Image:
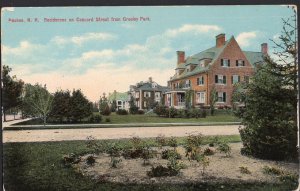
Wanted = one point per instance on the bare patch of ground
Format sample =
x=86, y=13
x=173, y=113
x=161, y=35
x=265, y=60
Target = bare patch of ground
x=220, y=168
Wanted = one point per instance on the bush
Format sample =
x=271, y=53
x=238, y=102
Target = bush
x=90, y=160
x=133, y=110
x=95, y=118
x=171, y=112
x=160, y=110
x=161, y=140
x=173, y=142
x=166, y=154
x=141, y=112
x=208, y=151
x=106, y=110
x=107, y=120
x=160, y=171
x=122, y=112
x=224, y=148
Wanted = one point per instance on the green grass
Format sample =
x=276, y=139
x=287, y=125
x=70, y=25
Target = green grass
x=38, y=166
x=152, y=118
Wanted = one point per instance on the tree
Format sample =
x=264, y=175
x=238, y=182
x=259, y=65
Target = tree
x=213, y=100
x=37, y=101
x=11, y=90
x=270, y=114
x=81, y=107
x=61, y=105
x=103, y=105
x=189, y=94
x=133, y=109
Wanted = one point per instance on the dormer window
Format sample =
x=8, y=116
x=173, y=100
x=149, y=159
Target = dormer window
x=225, y=62
x=240, y=63
x=202, y=63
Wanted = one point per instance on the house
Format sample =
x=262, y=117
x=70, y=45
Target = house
x=120, y=99
x=219, y=67
x=147, y=94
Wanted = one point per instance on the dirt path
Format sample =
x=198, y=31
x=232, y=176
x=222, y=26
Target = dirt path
x=114, y=133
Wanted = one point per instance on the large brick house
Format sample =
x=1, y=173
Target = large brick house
x=219, y=67
x=145, y=94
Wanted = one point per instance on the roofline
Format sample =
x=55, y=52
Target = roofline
x=189, y=75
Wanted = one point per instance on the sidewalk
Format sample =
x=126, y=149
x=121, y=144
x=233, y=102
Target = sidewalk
x=114, y=133
x=10, y=123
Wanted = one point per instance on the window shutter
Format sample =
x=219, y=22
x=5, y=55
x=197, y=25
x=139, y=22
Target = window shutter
x=236, y=62
x=231, y=79
x=224, y=96
x=216, y=78
x=224, y=79
x=202, y=80
x=243, y=63
x=221, y=62
x=228, y=63
x=239, y=78
x=198, y=81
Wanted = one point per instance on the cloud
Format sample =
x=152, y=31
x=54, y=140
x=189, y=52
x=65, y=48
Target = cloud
x=87, y=37
x=244, y=38
x=194, y=29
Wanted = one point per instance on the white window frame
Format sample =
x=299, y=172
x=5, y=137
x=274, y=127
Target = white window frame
x=220, y=97
x=235, y=79
x=225, y=60
x=137, y=94
x=240, y=63
x=201, y=96
x=220, y=79
x=202, y=81
x=147, y=94
x=187, y=84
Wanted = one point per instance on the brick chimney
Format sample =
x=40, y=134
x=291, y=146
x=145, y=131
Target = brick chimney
x=180, y=57
x=264, y=48
x=220, y=40
x=150, y=79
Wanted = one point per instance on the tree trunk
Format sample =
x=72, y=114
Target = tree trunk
x=4, y=115
x=45, y=120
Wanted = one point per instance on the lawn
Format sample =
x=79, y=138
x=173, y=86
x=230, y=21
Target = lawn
x=38, y=166
x=113, y=118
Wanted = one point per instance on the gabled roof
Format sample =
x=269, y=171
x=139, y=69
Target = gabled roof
x=212, y=53
x=148, y=86
x=118, y=96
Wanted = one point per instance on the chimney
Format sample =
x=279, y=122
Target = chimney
x=264, y=48
x=150, y=79
x=180, y=57
x=220, y=40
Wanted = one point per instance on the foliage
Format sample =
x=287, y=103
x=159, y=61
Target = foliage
x=214, y=141
x=141, y=112
x=91, y=143
x=171, y=112
x=272, y=170
x=103, y=106
x=113, y=106
x=122, y=112
x=192, y=146
x=107, y=120
x=161, y=141
x=189, y=94
x=133, y=109
x=81, y=107
x=223, y=147
x=172, y=141
x=160, y=110
x=114, y=162
x=165, y=154
x=37, y=101
x=270, y=99
x=61, y=105
x=203, y=161
x=213, y=100
x=11, y=90
x=70, y=159
x=208, y=151
x=244, y=170
x=160, y=171
x=90, y=160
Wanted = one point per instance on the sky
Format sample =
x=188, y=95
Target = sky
x=62, y=48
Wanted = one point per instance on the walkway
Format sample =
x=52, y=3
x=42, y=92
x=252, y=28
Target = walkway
x=114, y=133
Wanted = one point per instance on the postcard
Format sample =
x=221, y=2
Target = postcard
x=149, y=97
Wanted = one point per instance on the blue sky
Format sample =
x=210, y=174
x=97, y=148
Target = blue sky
x=101, y=57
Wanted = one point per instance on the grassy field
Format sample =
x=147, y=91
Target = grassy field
x=152, y=118
x=38, y=166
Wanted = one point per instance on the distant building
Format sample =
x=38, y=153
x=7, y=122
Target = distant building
x=219, y=67
x=146, y=94
x=121, y=100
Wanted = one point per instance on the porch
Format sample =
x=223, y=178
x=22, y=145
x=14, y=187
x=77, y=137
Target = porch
x=175, y=99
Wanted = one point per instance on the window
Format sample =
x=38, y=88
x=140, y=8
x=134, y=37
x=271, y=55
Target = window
x=221, y=96
x=225, y=62
x=187, y=83
x=137, y=94
x=119, y=102
x=247, y=79
x=200, y=97
x=220, y=79
x=240, y=63
x=147, y=94
x=154, y=85
x=235, y=79
x=157, y=96
x=202, y=63
x=137, y=103
x=168, y=99
x=200, y=80
x=145, y=104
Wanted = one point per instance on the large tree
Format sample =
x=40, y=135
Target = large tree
x=11, y=90
x=37, y=101
x=61, y=107
x=270, y=113
x=81, y=107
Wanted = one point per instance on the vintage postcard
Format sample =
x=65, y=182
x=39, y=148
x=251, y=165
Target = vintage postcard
x=149, y=97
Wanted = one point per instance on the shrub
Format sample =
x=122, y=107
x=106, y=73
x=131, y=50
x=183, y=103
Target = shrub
x=133, y=110
x=95, y=118
x=224, y=148
x=122, y=112
x=203, y=113
x=161, y=140
x=171, y=112
x=181, y=113
x=160, y=171
x=244, y=170
x=147, y=153
x=107, y=120
x=174, y=164
x=203, y=161
x=106, y=110
x=90, y=160
x=214, y=141
x=141, y=112
x=70, y=159
x=166, y=154
x=192, y=146
x=160, y=110
x=208, y=151
x=272, y=170
x=114, y=162
x=173, y=142
x=195, y=113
